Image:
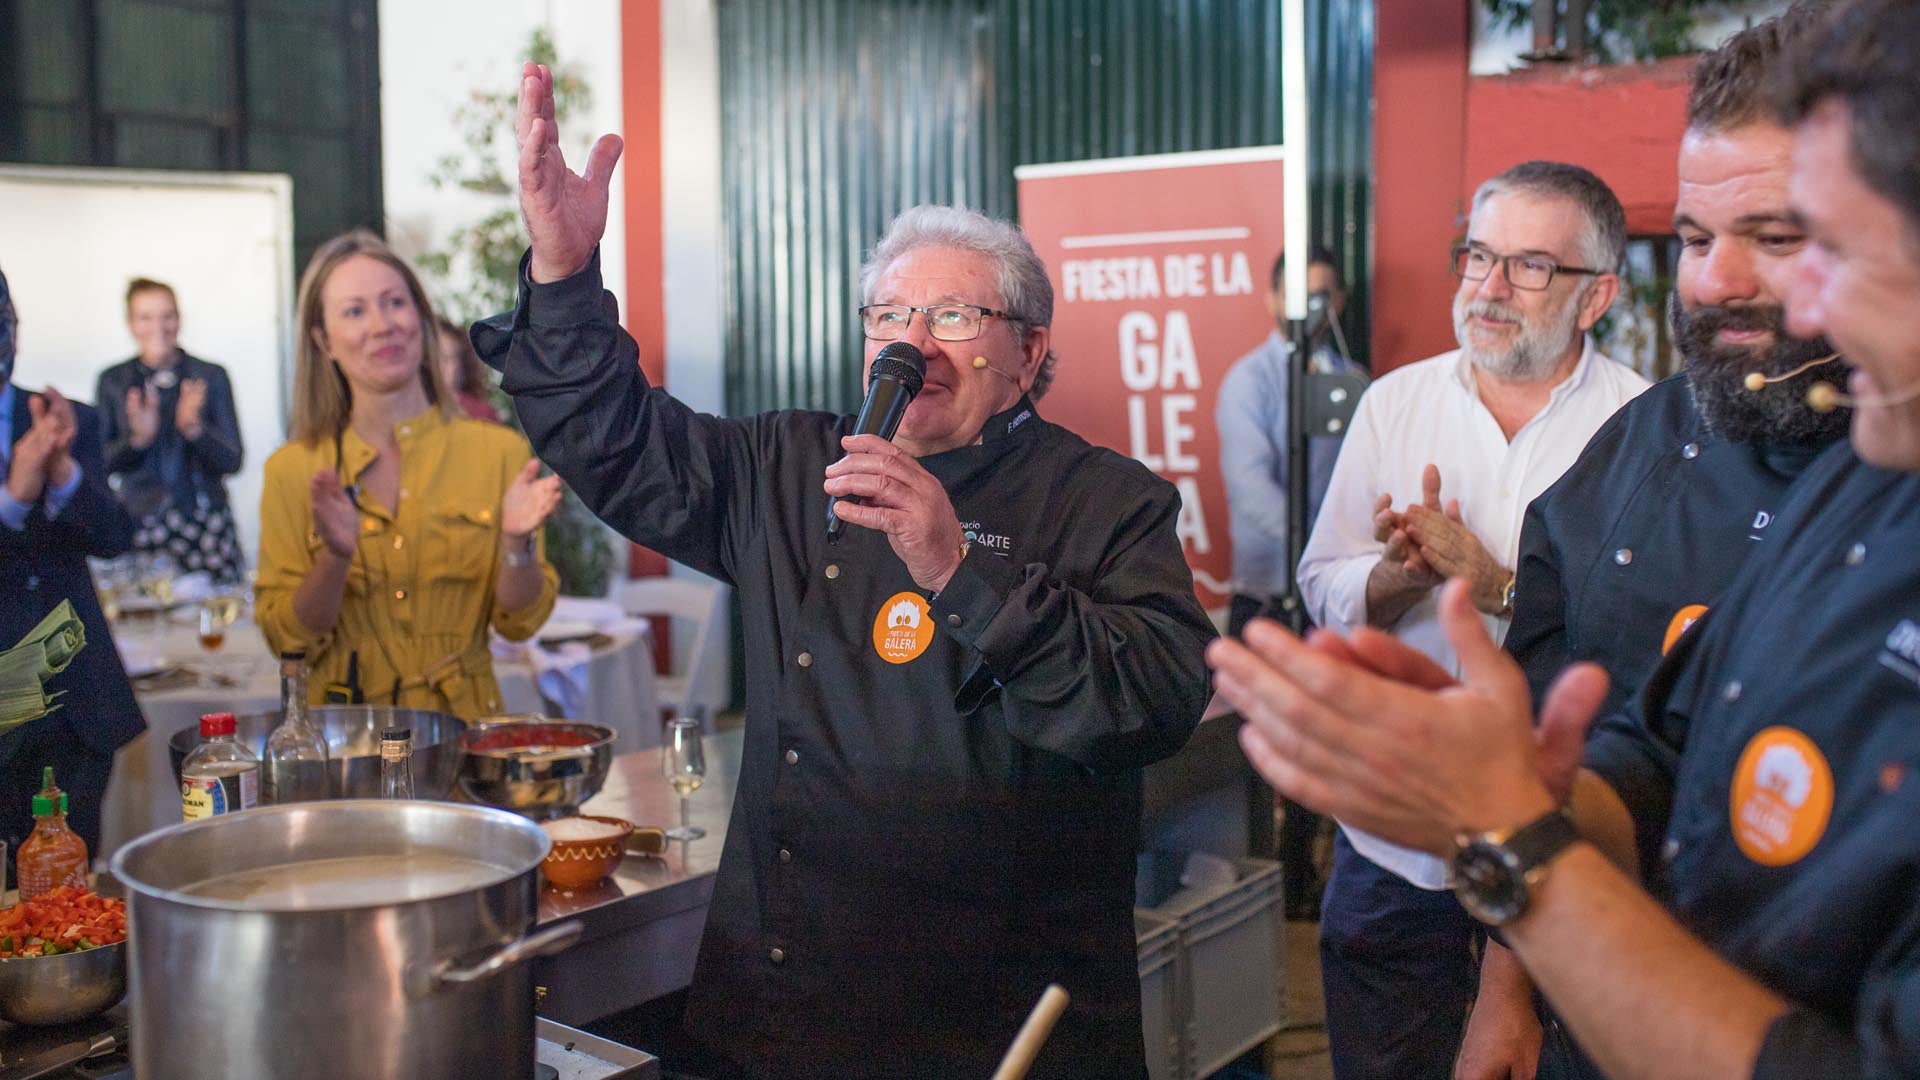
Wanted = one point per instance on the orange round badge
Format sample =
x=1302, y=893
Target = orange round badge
x=1683, y=620
x=1782, y=796
x=903, y=629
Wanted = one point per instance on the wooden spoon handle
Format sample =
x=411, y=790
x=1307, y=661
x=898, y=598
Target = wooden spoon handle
x=1033, y=1034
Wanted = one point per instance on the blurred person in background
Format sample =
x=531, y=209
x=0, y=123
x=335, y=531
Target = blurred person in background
x=394, y=530
x=1252, y=418
x=462, y=370
x=55, y=511
x=172, y=438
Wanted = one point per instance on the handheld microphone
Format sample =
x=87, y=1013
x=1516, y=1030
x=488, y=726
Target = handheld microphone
x=897, y=374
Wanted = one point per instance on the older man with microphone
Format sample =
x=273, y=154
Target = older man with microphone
x=948, y=708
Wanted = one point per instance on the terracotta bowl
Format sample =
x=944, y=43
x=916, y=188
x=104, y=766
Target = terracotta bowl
x=574, y=864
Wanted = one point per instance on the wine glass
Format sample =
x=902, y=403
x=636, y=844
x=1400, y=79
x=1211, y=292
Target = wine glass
x=683, y=760
x=217, y=612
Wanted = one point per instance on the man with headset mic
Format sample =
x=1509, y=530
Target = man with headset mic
x=1650, y=525
x=950, y=695
x=1776, y=745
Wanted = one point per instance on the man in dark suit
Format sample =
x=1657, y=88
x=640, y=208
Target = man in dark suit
x=55, y=511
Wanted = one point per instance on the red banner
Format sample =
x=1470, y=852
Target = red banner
x=1159, y=265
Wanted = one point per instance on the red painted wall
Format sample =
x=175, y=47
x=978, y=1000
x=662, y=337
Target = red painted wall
x=1419, y=153
x=645, y=302
x=1439, y=133
x=1624, y=123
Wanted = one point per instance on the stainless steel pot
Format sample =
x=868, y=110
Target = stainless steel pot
x=384, y=984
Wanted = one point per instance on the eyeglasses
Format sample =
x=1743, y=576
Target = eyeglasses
x=1529, y=272
x=947, y=322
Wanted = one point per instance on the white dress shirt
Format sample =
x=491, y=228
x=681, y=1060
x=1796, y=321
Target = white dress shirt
x=1426, y=413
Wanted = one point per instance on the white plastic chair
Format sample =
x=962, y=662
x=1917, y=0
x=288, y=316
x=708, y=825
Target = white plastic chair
x=697, y=600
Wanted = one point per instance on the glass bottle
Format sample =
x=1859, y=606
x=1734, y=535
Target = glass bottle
x=396, y=763
x=296, y=768
x=52, y=856
x=220, y=776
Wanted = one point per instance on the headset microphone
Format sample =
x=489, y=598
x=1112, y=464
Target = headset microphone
x=1755, y=381
x=1824, y=397
x=980, y=364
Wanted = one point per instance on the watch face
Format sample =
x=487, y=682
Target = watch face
x=1489, y=883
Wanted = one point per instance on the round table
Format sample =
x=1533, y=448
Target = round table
x=612, y=684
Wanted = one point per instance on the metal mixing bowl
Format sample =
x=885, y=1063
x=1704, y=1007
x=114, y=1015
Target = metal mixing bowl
x=47, y=990
x=544, y=781
x=353, y=745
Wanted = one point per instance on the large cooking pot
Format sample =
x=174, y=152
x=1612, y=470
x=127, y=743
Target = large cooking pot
x=353, y=745
x=336, y=939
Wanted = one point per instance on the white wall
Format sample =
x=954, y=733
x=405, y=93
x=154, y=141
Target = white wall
x=71, y=239
x=694, y=232
x=694, y=235
x=433, y=55
x=1496, y=52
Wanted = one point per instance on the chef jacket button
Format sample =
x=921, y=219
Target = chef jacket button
x=833, y=571
x=805, y=659
x=1623, y=556
x=777, y=954
x=1690, y=451
x=1856, y=554
x=1732, y=692
x=953, y=620
x=786, y=856
x=1670, y=850
x=793, y=757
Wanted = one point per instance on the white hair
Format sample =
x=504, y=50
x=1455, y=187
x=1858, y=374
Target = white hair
x=1025, y=290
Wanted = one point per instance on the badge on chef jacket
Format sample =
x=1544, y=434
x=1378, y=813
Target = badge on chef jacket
x=1782, y=797
x=1683, y=621
x=903, y=629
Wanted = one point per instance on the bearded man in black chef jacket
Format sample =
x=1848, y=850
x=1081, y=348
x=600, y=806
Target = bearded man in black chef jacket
x=948, y=710
x=1642, y=535
x=1775, y=771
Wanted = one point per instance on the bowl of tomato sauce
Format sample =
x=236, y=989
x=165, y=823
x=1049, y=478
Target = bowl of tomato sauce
x=534, y=766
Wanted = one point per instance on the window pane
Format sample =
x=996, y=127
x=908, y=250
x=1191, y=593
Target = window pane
x=165, y=144
x=52, y=137
x=166, y=60
x=52, y=64
x=296, y=75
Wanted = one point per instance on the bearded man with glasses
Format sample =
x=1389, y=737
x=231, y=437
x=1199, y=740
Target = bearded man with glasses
x=947, y=711
x=1477, y=433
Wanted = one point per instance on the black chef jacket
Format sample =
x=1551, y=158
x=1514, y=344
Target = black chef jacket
x=1784, y=738
x=920, y=843
x=1641, y=535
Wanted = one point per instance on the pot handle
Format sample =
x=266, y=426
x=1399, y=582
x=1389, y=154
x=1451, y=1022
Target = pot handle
x=553, y=939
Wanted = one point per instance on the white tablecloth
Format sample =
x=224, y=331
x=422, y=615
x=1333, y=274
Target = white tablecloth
x=613, y=684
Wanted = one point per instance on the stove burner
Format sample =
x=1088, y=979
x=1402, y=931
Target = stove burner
x=543, y=1071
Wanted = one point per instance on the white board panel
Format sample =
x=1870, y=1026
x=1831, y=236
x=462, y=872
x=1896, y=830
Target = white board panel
x=71, y=239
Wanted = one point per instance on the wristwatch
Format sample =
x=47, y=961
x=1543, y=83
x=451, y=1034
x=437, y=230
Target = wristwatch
x=1494, y=874
x=1506, y=596
x=518, y=555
